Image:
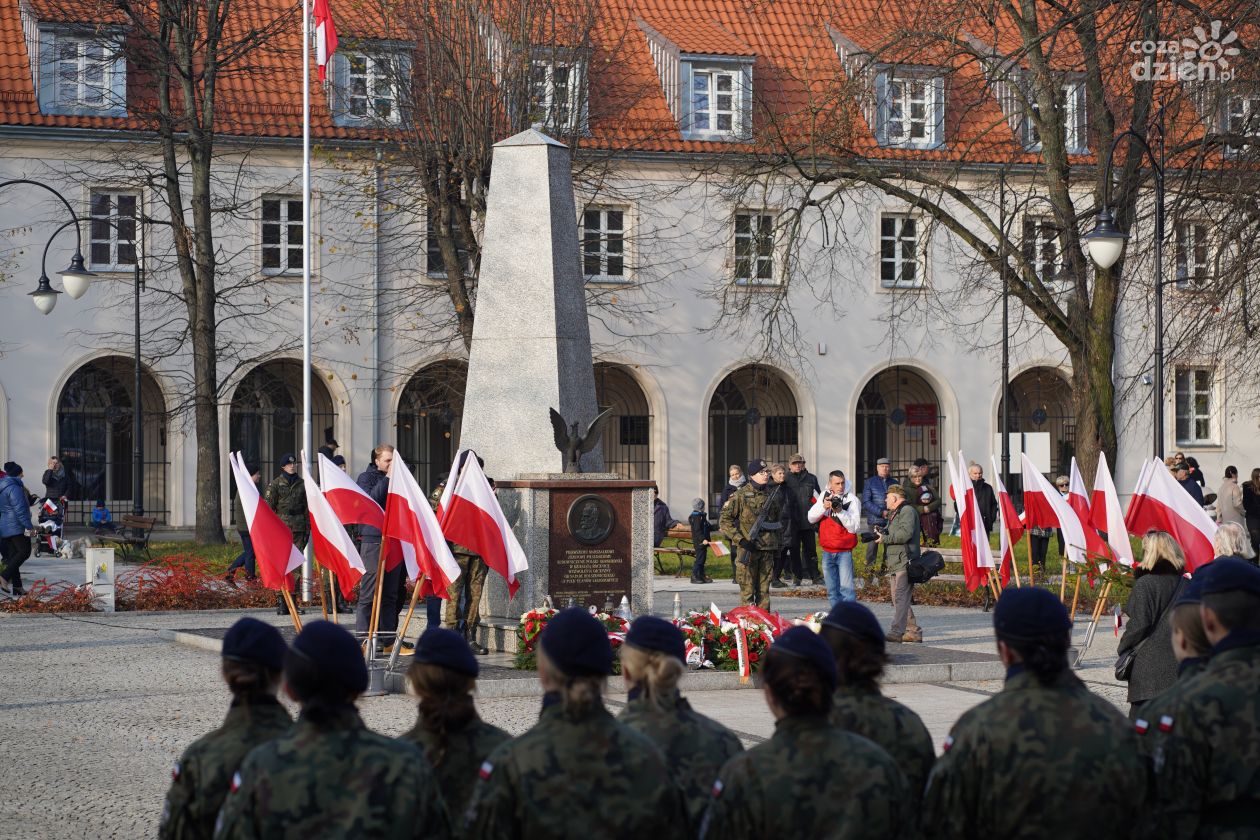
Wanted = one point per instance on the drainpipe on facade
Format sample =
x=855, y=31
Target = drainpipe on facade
x=376, y=300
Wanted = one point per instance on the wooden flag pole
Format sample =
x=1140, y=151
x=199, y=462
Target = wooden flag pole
x=1063, y=573
x=376, y=599
x=1076, y=593
x=1031, y=582
x=1015, y=570
x=332, y=592
x=323, y=602
x=402, y=632
x=288, y=599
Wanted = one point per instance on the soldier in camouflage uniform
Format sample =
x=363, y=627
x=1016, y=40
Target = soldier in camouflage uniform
x=470, y=583
x=739, y=515
x=1207, y=779
x=330, y=776
x=286, y=495
x=695, y=747
x=253, y=656
x=577, y=773
x=456, y=741
x=1042, y=758
x=857, y=643
x=812, y=779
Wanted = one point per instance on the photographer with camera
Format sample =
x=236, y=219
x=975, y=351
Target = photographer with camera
x=874, y=491
x=838, y=516
x=901, y=546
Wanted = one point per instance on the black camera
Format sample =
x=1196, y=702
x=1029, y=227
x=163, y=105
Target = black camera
x=870, y=536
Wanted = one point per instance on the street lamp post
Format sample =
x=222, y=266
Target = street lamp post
x=76, y=278
x=1105, y=244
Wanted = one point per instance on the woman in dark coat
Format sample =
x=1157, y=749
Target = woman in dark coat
x=1157, y=582
x=1251, y=507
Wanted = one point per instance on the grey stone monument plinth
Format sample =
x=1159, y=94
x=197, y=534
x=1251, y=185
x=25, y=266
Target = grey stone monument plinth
x=588, y=536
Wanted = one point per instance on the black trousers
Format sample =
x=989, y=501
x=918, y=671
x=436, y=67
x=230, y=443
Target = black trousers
x=802, y=555
x=13, y=552
x=387, y=621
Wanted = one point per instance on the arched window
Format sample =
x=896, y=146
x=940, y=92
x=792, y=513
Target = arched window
x=429, y=418
x=95, y=417
x=627, y=439
x=898, y=418
x=752, y=415
x=1041, y=409
x=265, y=422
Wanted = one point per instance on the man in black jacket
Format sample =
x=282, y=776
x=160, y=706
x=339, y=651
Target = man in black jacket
x=803, y=552
x=375, y=482
x=986, y=500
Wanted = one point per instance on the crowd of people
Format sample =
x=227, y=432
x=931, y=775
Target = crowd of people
x=1044, y=757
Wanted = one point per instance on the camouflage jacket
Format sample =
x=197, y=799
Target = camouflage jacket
x=200, y=780
x=1210, y=770
x=288, y=500
x=576, y=778
x=1037, y=761
x=740, y=513
x=811, y=779
x=695, y=747
x=465, y=751
x=434, y=499
x=1153, y=744
x=894, y=727
x=339, y=780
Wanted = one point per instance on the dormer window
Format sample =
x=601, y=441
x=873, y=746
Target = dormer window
x=1241, y=117
x=81, y=73
x=370, y=85
x=718, y=100
x=1071, y=105
x=556, y=95
x=911, y=108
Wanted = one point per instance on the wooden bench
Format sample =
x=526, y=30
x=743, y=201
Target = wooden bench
x=133, y=543
x=678, y=532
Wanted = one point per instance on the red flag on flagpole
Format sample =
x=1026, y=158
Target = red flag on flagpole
x=1011, y=528
x=332, y=545
x=325, y=36
x=472, y=517
x=272, y=539
x=1078, y=500
x=411, y=524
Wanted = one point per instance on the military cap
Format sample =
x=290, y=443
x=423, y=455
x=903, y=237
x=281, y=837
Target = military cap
x=287, y=458
x=797, y=458
x=804, y=643
x=1029, y=612
x=335, y=652
x=648, y=632
x=339, y=460
x=577, y=643
x=1228, y=574
x=856, y=620
x=1192, y=593
x=439, y=646
x=251, y=640
x=755, y=466
x=896, y=490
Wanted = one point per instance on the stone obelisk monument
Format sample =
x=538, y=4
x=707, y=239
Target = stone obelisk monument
x=587, y=535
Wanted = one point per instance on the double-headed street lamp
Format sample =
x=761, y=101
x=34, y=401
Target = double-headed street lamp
x=1105, y=244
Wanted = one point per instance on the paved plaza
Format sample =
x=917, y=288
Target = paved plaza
x=95, y=708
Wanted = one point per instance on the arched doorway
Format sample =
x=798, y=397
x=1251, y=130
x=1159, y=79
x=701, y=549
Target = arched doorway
x=94, y=439
x=898, y=418
x=429, y=417
x=265, y=422
x=627, y=439
x=1041, y=410
x=752, y=414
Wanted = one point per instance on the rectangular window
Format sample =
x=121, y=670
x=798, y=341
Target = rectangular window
x=1194, y=406
x=1071, y=105
x=435, y=266
x=754, y=248
x=1192, y=258
x=634, y=430
x=555, y=91
x=899, y=252
x=112, y=231
x=1242, y=116
x=715, y=100
x=1041, y=249
x=372, y=87
x=604, y=243
x=781, y=431
x=83, y=73
x=281, y=235
x=911, y=117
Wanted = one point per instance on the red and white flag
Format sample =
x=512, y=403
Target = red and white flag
x=49, y=507
x=1159, y=503
x=977, y=556
x=1078, y=500
x=273, y=541
x=741, y=652
x=349, y=501
x=325, y=36
x=332, y=545
x=472, y=517
x=1045, y=508
x=1106, y=514
x=411, y=525
x=1011, y=528
x=715, y=615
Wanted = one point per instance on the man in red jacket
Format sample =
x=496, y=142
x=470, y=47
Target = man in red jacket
x=838, y=514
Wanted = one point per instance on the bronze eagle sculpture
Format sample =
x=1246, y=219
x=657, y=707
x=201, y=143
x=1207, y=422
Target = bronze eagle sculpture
x=574, y=445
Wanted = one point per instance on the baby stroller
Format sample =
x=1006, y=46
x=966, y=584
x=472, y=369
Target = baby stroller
x=48, y=530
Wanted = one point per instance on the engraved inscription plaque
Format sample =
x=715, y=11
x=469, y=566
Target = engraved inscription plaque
x=590, y=546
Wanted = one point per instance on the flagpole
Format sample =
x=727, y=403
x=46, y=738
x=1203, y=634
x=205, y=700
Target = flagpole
x=306, y=269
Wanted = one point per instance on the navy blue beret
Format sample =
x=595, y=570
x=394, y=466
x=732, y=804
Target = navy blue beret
x=804, y=643
x=1191, y=593
x=251, y=640
x=1028, y=612
x=335, y=652
x=648, y=632
x=857, y=620
x=439, y=646
x=755, y=466
x=1228, y=574
x=287, y=458
x=577, y=643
